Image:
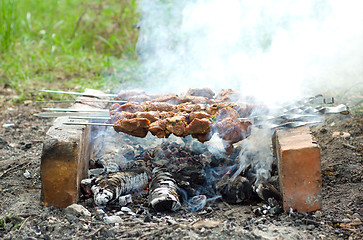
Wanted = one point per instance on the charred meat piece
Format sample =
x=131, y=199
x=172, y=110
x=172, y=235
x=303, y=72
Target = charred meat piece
x=228, y=95
x=226, y=112
x=188, y=107
x=152, y=116
x=158, y=129
x=200, y=129
x=202, y=137
x=201, y=92
x=199, y=115
x=139, y=98
x=195, y=99
x=233, y=130
x=137, y=127
x=164, y=115
x=172, y=98
x=131, y=107
x=199, y=126
x=158, y=106
x=177, y=126
x=115, y=116
x=214, y=108
x=245, y=110
x=125, y=95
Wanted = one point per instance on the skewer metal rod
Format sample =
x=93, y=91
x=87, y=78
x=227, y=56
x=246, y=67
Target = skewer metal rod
x=88, y=117
x=79, y=93
x=71, y=114
x=75, y=110
x=92, y=124
x=82, y=101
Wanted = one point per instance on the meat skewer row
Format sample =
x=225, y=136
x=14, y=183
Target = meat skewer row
x=229, y=128
x=133, y=107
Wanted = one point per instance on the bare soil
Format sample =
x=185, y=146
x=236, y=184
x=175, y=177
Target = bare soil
x=23, y=217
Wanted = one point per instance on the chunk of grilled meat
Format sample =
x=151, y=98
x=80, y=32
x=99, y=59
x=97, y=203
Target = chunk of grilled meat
x=125, y=95
x=158, y=129
x=201, y=92
x=163, y=119
x=233, y=130
x=137, y=127
x=228, y=95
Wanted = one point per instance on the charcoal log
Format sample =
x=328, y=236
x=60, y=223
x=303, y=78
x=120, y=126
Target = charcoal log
x=110, y=187
x=163, y=193
x=234, y=190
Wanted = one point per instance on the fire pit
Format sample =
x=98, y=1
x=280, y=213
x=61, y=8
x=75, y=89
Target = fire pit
x=182, y=166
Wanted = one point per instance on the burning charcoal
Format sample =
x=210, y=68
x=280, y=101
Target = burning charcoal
x=197, y=203
x=86, y=185
x=234, y=190
x=110, y=187
x=163, y=194
x=266, y=190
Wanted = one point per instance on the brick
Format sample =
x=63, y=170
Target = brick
x=299, y=169
x=64, y=161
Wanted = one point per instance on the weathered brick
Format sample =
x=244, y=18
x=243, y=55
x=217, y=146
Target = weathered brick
x=64, y=161
x=298, y=158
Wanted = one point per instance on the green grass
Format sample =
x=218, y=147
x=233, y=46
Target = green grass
x=69, y=44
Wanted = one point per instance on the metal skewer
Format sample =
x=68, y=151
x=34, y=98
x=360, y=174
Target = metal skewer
x=71, y=114
x=88, y=117
x=75, y=110
x=92, y=124
x=80, y=94
x=83, y=101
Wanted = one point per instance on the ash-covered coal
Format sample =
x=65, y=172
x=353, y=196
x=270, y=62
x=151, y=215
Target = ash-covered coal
x=163, y=191
x=185, y=175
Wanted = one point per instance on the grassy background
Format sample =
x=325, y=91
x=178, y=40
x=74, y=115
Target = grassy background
x=64, y=44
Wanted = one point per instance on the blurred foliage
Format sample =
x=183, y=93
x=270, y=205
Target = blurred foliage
x=64, y=44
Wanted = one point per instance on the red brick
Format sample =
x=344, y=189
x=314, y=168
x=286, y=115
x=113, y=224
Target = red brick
x=298, y=158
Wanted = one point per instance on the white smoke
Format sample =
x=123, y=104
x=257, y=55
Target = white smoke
x=272, y=50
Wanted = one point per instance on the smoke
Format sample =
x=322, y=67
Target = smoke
x=272, y=50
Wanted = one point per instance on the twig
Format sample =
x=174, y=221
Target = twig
x=351, y=147
x=24, y=222
x=310, y=221
x=33, y=187
x=95, y=232
x=12, y=168
x=157, y=231
x=225, y=203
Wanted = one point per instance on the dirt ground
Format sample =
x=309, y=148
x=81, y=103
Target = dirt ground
x=23, y=217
